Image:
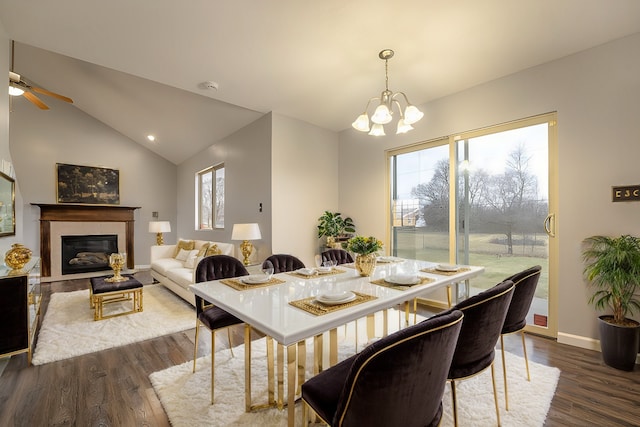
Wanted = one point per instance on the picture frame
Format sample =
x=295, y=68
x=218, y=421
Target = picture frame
x=7, y=205
x=87, y=185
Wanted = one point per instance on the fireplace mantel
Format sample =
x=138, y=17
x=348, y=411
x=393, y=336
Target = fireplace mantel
x=82, y=213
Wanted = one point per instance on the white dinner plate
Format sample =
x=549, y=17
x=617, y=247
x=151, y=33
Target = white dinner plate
x=349, y=296
x=403, y=280
x=447, y=267
x=254, y=279
x=306, y=271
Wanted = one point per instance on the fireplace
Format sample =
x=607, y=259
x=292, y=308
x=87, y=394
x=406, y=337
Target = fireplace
x=57, y=220
x=84, y=254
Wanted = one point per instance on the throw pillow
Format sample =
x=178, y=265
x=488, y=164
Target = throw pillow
x=183, y=255
x=213, y=250
x=187, y=245
x=203, y=249
x=192, y=260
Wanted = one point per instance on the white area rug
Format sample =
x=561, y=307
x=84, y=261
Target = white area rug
x=185, y=396
x=68, y=329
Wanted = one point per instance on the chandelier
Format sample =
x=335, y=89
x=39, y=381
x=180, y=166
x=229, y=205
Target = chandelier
x=383, y=113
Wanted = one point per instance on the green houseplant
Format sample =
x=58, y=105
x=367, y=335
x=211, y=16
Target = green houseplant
x=333, y=225
x=612, y=268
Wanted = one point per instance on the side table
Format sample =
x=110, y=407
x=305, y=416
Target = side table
x=103, y=292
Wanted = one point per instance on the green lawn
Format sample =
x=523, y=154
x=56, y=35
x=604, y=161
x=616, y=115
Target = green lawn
x=414, y=243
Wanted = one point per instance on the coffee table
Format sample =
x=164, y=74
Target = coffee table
x=102, y=292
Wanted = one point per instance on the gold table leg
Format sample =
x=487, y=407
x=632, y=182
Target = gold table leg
x=291, y=385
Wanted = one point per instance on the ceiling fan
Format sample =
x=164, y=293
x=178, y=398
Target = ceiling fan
x=17, y=87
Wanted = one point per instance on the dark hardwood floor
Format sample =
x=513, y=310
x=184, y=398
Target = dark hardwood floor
x=112, y=387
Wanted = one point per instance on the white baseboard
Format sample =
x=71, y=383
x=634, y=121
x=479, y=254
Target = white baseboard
x=583, y=342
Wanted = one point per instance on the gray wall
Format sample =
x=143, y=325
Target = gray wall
x=595, y=93
x=246, y=155
x=64, y=134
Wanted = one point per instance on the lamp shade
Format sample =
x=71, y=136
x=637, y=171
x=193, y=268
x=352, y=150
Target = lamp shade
x=159, y=226
x=246, y=232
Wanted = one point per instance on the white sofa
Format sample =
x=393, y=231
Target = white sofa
x=178, y=273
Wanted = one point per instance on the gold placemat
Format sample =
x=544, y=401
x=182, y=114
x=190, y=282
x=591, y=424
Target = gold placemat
x=382, y=282
x=444, y=273
x=238, y=285
x=310, y=305
x=316, y=275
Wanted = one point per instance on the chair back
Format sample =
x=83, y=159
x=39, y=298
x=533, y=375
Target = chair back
x=283, y=262
x=216, y=267
x=525, y=284
x=400, y=379
x=339, y=255
x=484, y=315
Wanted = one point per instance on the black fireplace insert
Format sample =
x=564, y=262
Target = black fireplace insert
x=84, y=254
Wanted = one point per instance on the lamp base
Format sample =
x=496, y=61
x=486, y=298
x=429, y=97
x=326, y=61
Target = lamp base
x=159, y=239
x=246, y=248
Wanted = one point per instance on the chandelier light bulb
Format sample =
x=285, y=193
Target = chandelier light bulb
x=361, y=123
x=412, y=114
x=382, y=115
x=403, y=127
x=377, y=130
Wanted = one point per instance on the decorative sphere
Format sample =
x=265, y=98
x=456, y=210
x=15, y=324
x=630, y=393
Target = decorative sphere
x=17, y=256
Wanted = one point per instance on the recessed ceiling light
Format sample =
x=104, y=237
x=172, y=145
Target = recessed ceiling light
x=151, y=138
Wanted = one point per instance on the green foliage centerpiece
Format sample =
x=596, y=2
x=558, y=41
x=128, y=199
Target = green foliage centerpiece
x=365, y=249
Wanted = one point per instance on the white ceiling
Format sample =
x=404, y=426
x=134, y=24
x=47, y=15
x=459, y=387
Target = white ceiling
x=138, y=65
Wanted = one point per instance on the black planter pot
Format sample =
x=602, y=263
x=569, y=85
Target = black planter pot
x=619, y=344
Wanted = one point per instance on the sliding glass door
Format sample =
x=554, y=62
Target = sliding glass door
x=481, y=198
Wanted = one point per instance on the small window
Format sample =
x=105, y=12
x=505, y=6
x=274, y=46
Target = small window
x=210, y=198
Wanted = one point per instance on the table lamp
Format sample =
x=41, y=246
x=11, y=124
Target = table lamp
x=246, y=232
x=159, y=227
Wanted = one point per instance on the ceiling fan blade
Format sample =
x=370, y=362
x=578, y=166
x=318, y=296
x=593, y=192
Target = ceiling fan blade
x=53, y=94
x=35, y=100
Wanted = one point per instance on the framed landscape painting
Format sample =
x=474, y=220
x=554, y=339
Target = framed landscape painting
x=87, y=184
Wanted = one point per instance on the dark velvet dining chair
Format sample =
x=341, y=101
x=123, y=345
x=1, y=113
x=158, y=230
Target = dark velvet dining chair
x=340, y=256
x=525, y=283
x=398, y=380
x=218, y=267
x=283, y=262
x=484, y=316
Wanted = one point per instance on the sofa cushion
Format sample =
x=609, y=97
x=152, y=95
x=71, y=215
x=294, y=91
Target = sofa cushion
x=193, y=260
x=164, y=265
x=182, y=276
x=187, y=245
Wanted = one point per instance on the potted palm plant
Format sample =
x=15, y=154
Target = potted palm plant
x=333, y=226
x=612, y=268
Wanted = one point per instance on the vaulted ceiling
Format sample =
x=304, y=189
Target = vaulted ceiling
x=138, y=66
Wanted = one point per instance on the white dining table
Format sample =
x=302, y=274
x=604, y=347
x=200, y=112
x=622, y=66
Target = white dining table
x=268, y=308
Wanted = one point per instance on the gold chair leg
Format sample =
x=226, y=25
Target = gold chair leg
x=415, y=311
x=526, y=359
x=195, y=346
x=229, y=338
x=495, y=393
x=454, y=403
x=504, y=374
x=213, y=352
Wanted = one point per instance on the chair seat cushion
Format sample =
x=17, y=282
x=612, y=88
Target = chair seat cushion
x=216, y=318
x=322, y=392
x=471, y=368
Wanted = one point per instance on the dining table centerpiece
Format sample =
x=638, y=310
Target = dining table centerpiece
x=366, y=249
